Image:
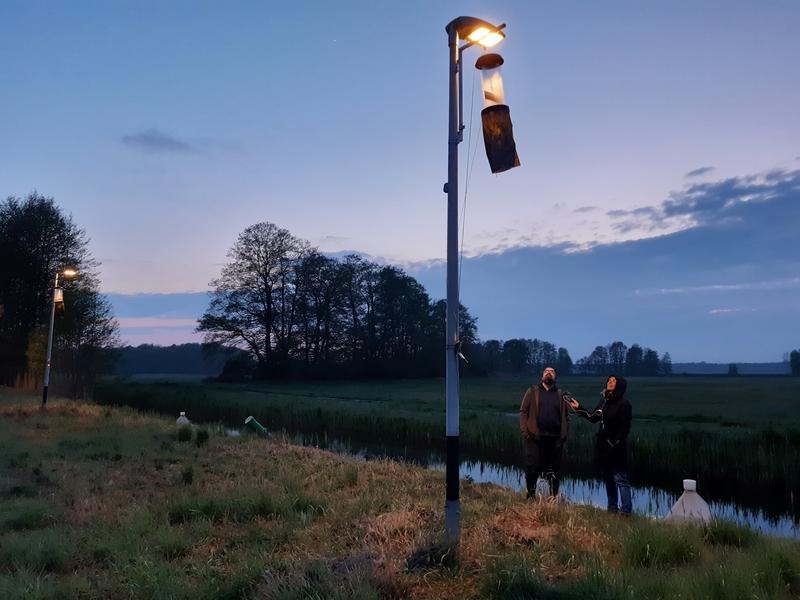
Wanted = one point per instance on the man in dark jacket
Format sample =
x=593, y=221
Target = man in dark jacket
x=614, y=415
x=543, y=422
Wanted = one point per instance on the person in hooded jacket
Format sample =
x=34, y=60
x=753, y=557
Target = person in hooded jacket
x=614, y=415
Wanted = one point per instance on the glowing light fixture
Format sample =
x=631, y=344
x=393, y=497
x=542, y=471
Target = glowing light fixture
x=486, y=37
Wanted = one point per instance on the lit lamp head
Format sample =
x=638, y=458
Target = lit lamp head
x=58, y=293
x=476, y=31
x=486, y=37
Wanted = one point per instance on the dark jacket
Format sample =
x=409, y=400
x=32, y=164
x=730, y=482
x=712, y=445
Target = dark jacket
x=529, y=413
x=614, y=413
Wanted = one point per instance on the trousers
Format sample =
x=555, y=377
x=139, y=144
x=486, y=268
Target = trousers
x=543, y=456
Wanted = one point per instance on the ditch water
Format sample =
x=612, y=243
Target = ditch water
x=650, y=501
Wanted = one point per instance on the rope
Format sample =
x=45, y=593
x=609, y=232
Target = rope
x=468, y=175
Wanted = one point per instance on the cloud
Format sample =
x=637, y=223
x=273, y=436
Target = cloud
x=153, y=140
x=155, y=322
x=716, y=312
x=700, y=171
x=715, y=204
x=586, y=209
x=780, y=284
x=333, y=239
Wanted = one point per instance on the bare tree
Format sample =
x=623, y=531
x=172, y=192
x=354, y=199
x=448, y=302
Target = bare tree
x=253, y=302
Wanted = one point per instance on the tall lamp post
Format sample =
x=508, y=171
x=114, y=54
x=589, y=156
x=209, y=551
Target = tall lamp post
x=57, y=297
x=472, y=31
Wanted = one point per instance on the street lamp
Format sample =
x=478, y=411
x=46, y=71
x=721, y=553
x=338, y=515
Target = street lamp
x=473, y=31
x=58, y=296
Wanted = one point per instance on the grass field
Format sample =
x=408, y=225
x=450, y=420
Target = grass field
x=105, y=502
x=738, y=436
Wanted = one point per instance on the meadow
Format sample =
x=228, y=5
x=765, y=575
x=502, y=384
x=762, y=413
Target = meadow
x=738, y=436
x=108, y=502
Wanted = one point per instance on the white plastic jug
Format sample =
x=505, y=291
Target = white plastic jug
x=690, y=506
x=182, y=420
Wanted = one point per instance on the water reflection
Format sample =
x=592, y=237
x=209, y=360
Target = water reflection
x=647, y=500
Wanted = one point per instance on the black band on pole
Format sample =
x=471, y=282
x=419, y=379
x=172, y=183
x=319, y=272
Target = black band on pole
x=451, y=472
x=44, y=395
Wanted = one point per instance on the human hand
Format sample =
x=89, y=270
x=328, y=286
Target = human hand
x=572, y=402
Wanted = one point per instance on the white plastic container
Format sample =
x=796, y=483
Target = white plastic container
x=690, y=506
x=182, y=420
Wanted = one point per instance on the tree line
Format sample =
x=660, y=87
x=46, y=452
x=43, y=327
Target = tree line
x=619, y=359
x=37, y=240
x=182, y=359
x=794, y=362
x=299, y=313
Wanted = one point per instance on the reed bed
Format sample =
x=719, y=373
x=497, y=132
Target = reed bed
x=734, y=458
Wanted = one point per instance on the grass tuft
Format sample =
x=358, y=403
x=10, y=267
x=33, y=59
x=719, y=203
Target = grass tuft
x=659, y=545
x=23, y=514
x=724, y=533
x=185, y=433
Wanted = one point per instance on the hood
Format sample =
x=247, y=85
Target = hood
x=619, y=391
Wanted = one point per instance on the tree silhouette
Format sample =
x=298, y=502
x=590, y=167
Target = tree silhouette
x=36, y=241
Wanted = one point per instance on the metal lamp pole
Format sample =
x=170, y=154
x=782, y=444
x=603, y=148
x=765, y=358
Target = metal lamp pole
x=49, y=343
x=473, y=31
x=66, y=273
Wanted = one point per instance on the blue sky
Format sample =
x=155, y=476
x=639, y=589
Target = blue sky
x=167, y=128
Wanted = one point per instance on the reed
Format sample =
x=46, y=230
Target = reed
x=695, y=440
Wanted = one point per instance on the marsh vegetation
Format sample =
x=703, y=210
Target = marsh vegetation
x=95, y=502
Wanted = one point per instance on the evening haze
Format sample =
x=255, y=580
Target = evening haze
x=658, y=197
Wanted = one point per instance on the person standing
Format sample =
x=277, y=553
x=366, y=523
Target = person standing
x=614, y=414
x=543, y=422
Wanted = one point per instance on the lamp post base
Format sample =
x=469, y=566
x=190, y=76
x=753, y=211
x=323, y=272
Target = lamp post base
x=452, y=520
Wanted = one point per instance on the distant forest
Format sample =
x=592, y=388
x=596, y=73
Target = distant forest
x=194, y=359
x=178, y=359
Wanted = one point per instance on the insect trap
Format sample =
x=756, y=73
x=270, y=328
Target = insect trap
x=498, y=134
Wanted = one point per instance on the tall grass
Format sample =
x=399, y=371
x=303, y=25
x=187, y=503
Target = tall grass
x=731, y=462
x=265, y=519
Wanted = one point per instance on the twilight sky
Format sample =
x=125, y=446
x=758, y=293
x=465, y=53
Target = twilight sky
x=660, y=144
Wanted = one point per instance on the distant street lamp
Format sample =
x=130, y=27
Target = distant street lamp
x=58, y=296
x=473, y=31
